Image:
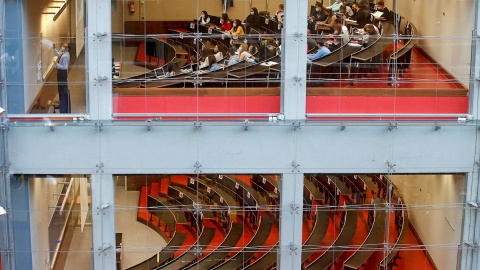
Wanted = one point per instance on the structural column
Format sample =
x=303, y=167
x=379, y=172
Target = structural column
x=291, y=215
x=294, y=59
x=471, y=233
x=103, y=221
x=99, y=59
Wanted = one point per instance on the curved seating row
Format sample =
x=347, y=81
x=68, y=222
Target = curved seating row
x=206, y=190
x=186, y=196
x=358, y=256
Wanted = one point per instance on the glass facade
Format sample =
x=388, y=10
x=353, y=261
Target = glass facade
x=235, y=134
x=370, y=59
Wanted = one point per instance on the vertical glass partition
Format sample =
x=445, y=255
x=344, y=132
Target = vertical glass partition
x=171, y=62
x=45, y=57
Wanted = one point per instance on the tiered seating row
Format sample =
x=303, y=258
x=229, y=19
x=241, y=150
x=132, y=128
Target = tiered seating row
x=196, y=198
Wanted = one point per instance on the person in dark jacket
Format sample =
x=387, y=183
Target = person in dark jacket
x=253, y=20
x=387, y=14
x=361, y=16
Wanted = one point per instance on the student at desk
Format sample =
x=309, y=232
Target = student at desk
x=213, y=65
x=205, y=56
x=347, y=11
x=237, y=29
x=243, y=52
x=234, y=59
x=370, y=35
x=217, y=53
x=253, y=20
x=322, y=51
x=226, y=25
x=319, y=14
x=204, y=18
x=330, y=21
x=387, y=14
x=361, y=16
x=337, y=6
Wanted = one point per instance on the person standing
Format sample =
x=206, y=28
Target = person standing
x=253, y=20
x=61, y=64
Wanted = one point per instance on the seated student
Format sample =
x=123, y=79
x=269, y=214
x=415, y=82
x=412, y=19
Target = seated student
x=243, y=52
x=234, y=59
x=253, y=20
x=319, y=14
x=264, y=53
x=213, y=65
x=337, y=6
x=226, y=25
x=170, y=70
x=204, y=18
x=217, y=53
x=370, y=35
x=334, y=41
x=347, y=11
x=205, y=60
x=237, y=29
x=361, y=16
x=322, y=51
x=330, y=21
x=279, y=15
x=387, y=14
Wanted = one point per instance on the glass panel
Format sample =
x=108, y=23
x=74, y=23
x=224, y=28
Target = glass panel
x=55, y=212
x=380, y=221
x=198, y=221
x=41, y=78
x=392, y=60
x=173, y=63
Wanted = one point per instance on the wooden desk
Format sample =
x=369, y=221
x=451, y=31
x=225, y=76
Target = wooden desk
x=320, y=26
x=227, y=245
x=266, y=261
x=258, y=198
x=257, y=241
x=231, y=202
x=157, y=201
x=370, y=184
x=380, y=45
x=319, y=231
x=340, y=185
x=190, y=255
x=335, y=56
x=375, y=237
x=207, y=213
x=315, y=193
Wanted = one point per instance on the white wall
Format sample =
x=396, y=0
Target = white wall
x=41, y=192
x=432, y=225
x=452, y=53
